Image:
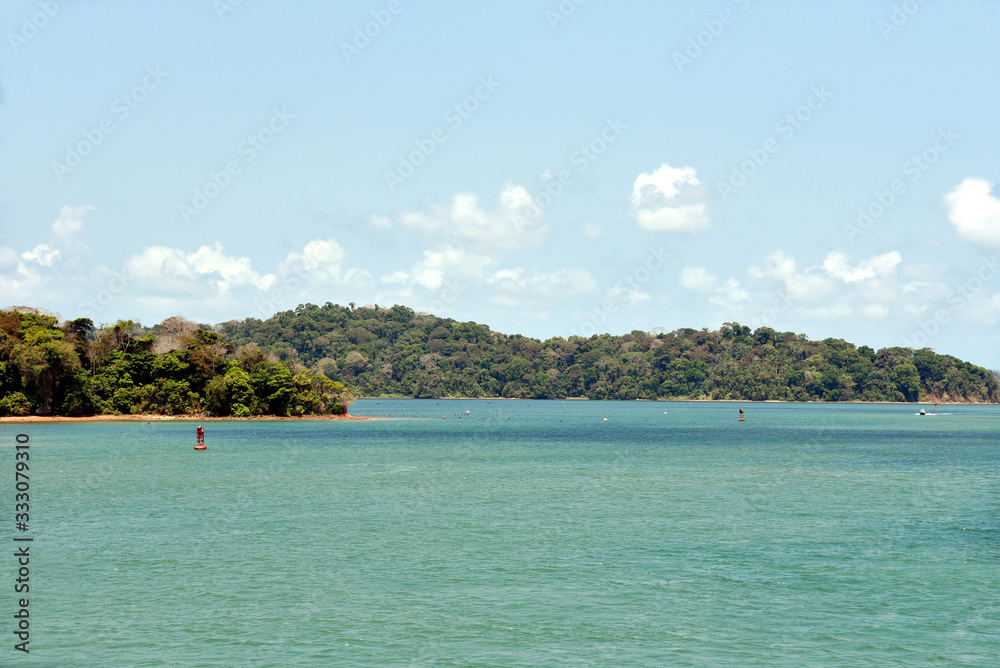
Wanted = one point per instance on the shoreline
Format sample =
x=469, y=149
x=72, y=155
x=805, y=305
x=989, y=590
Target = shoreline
x=694, y=401
x=152, y=417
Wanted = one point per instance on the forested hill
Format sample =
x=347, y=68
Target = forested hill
x=310, y=360
x=394, y=351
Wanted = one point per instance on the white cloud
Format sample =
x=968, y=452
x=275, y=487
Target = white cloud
x=233, y=270
x=669, y=200
x=515, y=223
x=396, y=278
x=875, y=311
x=559, y=284
x=70, y=220
x=318, y=264
x=381, y=222
x=916, y=286
x=170, y=269
x=698, y=279
x=730, y=294
x=836, y=265
x=320, y=252
x=778, y=265
x=43, y=254
x=802, y=287
x=450, y=262
x=974, y=212
x=629, y=295
x=211, y=271
x=809, y=288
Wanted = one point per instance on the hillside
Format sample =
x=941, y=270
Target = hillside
x=311, y=360
x=396, y=352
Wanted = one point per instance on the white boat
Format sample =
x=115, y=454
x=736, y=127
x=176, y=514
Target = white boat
x=922, y=412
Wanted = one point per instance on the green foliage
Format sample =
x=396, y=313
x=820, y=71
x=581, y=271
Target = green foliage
x=16, y=403
x=225, y=393
x=419, y=355
x=313, y=359
x=73, y=369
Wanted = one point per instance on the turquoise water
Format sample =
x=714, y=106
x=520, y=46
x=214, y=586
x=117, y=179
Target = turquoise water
x=527, y=533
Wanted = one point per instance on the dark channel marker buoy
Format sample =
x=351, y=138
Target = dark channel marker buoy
x=199, y=443
x=741, y=416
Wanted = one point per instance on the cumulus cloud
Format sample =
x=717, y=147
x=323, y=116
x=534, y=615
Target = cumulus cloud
x=449, y=262
x=70, y=220
x=669, y=199
x=777, y=265
x=974, y=211
x=43, y=254
x=49, y=270
x=698, y=279
x=801, y=286
x=730, y=294
x=514, y=223
x=875, y=311
x=836, y=265
x=380, y=222
x=559, y=284
x=809, y=287
x=627, y=294
x=210, y=271
x=173, y=269
x=396, y=278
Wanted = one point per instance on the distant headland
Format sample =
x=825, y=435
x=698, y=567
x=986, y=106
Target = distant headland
x=312, y=361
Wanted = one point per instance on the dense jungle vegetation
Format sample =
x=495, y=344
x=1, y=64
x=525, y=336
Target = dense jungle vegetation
x=177, y=367
x=396, y=352
x=311, y=360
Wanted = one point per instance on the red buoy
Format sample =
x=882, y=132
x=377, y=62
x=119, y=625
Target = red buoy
x=741, y=416
x=199, y=443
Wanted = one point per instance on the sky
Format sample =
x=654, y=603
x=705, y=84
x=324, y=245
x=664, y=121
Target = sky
x=546, y=168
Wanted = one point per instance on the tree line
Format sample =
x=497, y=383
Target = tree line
x=174, y=368
x=378, y=351
x=313, y=359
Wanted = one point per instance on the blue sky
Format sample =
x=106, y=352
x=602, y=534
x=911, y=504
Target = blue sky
x=549, y=168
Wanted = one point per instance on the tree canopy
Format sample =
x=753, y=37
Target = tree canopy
x=312, y=359
x=380, y=351
x=75, y=369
